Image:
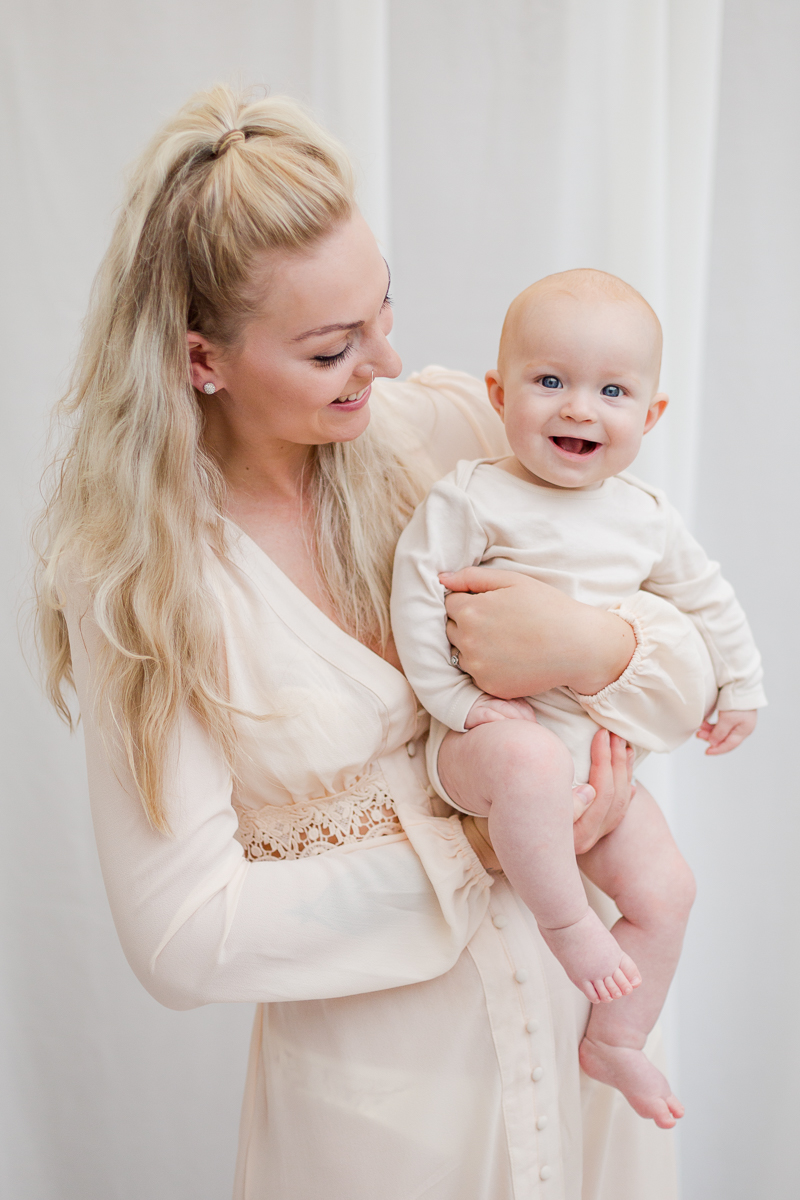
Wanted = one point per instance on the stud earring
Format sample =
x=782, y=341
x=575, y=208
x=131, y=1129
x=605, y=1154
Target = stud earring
x=209, y=388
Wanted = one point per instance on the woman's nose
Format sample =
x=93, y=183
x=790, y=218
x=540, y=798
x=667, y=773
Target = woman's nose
x=393, y=365
x=384, y=359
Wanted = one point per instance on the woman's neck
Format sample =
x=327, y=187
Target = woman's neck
x=267, y=499
x=263, y=470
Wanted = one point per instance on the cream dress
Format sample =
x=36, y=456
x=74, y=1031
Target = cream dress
x=413, y=1036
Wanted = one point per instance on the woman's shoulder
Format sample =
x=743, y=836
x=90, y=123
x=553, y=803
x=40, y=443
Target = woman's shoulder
x=447, y=413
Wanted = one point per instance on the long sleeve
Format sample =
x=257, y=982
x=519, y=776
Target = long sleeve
x=201, y=924
x=443, y=535
x=694, y=584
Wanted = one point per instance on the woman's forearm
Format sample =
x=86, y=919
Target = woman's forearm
x=604, y=646
x=517, y=636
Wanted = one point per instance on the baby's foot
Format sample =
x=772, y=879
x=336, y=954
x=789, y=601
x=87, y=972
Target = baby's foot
x=593, y=959
x=630, y=1072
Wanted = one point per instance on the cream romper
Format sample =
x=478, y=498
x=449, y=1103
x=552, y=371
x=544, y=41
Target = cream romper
x=620, y=546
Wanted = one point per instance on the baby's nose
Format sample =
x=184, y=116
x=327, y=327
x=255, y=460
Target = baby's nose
x=577, y=407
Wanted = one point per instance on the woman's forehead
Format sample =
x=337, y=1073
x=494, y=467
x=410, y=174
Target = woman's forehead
x=336, y=281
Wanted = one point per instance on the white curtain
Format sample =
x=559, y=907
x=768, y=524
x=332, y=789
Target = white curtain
x=494, y=143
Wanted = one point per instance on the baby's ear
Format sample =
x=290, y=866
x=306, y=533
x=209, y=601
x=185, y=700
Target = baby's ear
x=494, y=386
x=656, y=410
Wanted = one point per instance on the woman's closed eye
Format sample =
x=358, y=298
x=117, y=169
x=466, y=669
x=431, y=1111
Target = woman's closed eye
x=332, y=360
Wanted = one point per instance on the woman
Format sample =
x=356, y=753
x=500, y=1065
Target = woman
x=215, y=581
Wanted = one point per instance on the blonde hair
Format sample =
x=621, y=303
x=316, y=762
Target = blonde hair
x=137, y=502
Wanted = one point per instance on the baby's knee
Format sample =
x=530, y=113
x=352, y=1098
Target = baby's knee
x=524, y=747
x=672, y=890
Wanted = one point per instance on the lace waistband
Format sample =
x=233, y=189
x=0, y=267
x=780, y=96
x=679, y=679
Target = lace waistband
x=301, y=830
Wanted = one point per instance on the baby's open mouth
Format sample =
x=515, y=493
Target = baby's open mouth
x=575, y=445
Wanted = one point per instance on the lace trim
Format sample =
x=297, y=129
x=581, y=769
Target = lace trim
x=301, y=830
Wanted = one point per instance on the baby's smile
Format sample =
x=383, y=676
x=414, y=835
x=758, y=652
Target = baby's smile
x=580, y=447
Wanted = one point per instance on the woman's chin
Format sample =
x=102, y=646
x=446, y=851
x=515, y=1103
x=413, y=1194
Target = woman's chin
x=347, y=426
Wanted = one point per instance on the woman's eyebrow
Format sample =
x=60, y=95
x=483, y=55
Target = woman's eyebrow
x=327, y=329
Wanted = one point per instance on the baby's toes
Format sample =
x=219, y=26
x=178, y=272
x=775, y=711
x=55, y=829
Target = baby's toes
x=662, y=1115
x=603, y=995
x=630, y=970
x=622, y=983
x=612, y=986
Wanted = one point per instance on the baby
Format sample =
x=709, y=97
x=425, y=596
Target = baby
x=576, y=386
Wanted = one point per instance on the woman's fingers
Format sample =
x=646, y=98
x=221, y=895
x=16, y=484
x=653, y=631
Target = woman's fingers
x=476, y=579
x=582, y=797
x=519, y=636
x=622, y=773
x=610, y=776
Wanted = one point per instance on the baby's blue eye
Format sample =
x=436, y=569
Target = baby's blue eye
x=612, y=390
x=550, y=381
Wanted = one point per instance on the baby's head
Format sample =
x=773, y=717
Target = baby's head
x=577, y=377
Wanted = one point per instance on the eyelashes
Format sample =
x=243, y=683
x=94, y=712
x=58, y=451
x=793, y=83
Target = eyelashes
x=333, y=360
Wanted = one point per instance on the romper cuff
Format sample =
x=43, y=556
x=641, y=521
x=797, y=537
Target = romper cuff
x=735, y=696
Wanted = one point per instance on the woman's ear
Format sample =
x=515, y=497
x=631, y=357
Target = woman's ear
x=497, y=396
x=656, y=410
x=202, y=358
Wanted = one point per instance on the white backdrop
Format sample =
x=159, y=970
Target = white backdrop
x=496, y=142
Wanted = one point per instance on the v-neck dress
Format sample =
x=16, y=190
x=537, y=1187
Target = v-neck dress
x=413, y=1036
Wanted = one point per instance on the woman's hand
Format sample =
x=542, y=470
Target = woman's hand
x=611, y=777
x=611, y=781
x=517, y=636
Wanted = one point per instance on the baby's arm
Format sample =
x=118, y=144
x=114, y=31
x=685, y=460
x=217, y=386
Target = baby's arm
x=694, y=584
x=442, y=535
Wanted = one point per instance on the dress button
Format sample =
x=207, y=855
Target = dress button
x=541, y=1123
x=531, y=1026
x=537, y=1073
x=521, y=976
x=499, y=921
x=545, y=1172
x=411, y=749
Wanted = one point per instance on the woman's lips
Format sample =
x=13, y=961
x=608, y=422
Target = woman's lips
x=350, y=403
x=579, y=447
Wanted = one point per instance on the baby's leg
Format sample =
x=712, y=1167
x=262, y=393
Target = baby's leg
x=519, y=775
x=639, y=866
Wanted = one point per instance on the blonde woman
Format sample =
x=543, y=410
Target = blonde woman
x=214, y=583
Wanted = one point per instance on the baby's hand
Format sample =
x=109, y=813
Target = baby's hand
x=732, y=727
x=490, y=708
